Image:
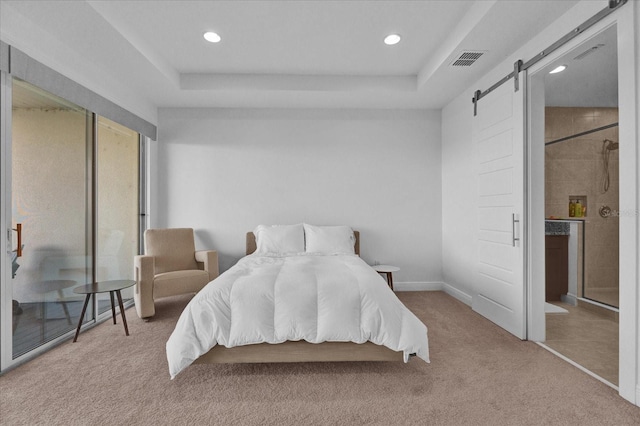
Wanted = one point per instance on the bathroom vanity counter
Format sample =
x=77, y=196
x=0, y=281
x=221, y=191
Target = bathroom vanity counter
x=556, y=227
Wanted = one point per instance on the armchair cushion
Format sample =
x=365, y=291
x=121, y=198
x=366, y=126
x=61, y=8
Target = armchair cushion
x=173, y=249
x=179, y=282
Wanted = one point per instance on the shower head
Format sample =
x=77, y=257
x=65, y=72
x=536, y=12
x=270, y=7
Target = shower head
x=610, y=145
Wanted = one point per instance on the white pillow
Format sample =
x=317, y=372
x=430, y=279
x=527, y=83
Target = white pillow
x=279, y=239
x=329, y=239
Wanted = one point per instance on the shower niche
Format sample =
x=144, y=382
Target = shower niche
x=578, y=206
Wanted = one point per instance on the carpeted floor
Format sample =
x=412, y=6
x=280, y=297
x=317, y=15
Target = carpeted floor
x=479, y=375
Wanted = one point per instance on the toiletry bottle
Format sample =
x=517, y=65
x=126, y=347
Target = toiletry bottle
x=572, y=208
x=578, y=208
x=584, y=210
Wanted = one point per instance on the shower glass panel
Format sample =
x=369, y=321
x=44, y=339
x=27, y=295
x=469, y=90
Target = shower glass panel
x=581, y=165
x=50, y=198
x=602, y=272
x=117, y=205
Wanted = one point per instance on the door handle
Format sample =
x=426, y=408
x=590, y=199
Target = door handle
x=18, y=230
x=513, y=228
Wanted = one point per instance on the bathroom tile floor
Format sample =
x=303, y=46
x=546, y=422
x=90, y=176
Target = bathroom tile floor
x=587, y=338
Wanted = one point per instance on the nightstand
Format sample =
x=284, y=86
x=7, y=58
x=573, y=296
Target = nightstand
x=388, y=271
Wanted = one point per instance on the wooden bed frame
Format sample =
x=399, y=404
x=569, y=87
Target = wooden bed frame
x=300, y=351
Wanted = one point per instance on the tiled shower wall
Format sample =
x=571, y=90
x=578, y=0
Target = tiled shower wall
x=575, y=168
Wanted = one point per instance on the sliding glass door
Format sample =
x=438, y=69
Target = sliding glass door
x=117, y=238
x=51, y=192
x=72, y=199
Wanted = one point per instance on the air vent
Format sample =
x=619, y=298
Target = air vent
x=588, y=52
x=467, y=58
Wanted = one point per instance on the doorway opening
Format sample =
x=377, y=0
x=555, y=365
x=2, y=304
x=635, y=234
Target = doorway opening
x=581, y=205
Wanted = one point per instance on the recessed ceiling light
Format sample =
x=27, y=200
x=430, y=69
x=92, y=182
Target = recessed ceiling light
x=558, y=69
x=212, y=37
x=392, y=39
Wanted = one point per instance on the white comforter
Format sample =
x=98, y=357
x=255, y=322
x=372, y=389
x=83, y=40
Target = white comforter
x=303, y=297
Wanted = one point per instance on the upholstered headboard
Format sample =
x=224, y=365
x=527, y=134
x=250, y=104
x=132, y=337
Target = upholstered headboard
x=251, y=242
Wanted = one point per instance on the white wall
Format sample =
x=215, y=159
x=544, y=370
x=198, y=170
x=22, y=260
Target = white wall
x=224, y=171
x=459, y=193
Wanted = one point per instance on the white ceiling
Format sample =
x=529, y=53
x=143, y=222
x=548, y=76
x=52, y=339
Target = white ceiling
x=591, y=76
x=310, y=54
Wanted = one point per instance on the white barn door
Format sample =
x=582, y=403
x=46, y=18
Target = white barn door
x=498, y=134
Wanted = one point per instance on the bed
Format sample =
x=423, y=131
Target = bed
x=302, y=294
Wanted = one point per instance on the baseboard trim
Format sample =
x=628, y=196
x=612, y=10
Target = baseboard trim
x=458, y=294
x=418, y=286
x=433, y=286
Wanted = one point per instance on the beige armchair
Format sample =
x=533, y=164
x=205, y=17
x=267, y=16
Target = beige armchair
x=171, y=266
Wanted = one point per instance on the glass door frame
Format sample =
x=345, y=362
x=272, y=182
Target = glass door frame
x=6, y=333
x=6, y=307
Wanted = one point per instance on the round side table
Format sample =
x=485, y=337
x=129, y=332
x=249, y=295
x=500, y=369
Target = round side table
x=388, y=271
x=104, y=287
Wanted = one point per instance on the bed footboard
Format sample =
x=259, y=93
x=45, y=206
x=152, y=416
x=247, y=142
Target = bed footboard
x=300, y=351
